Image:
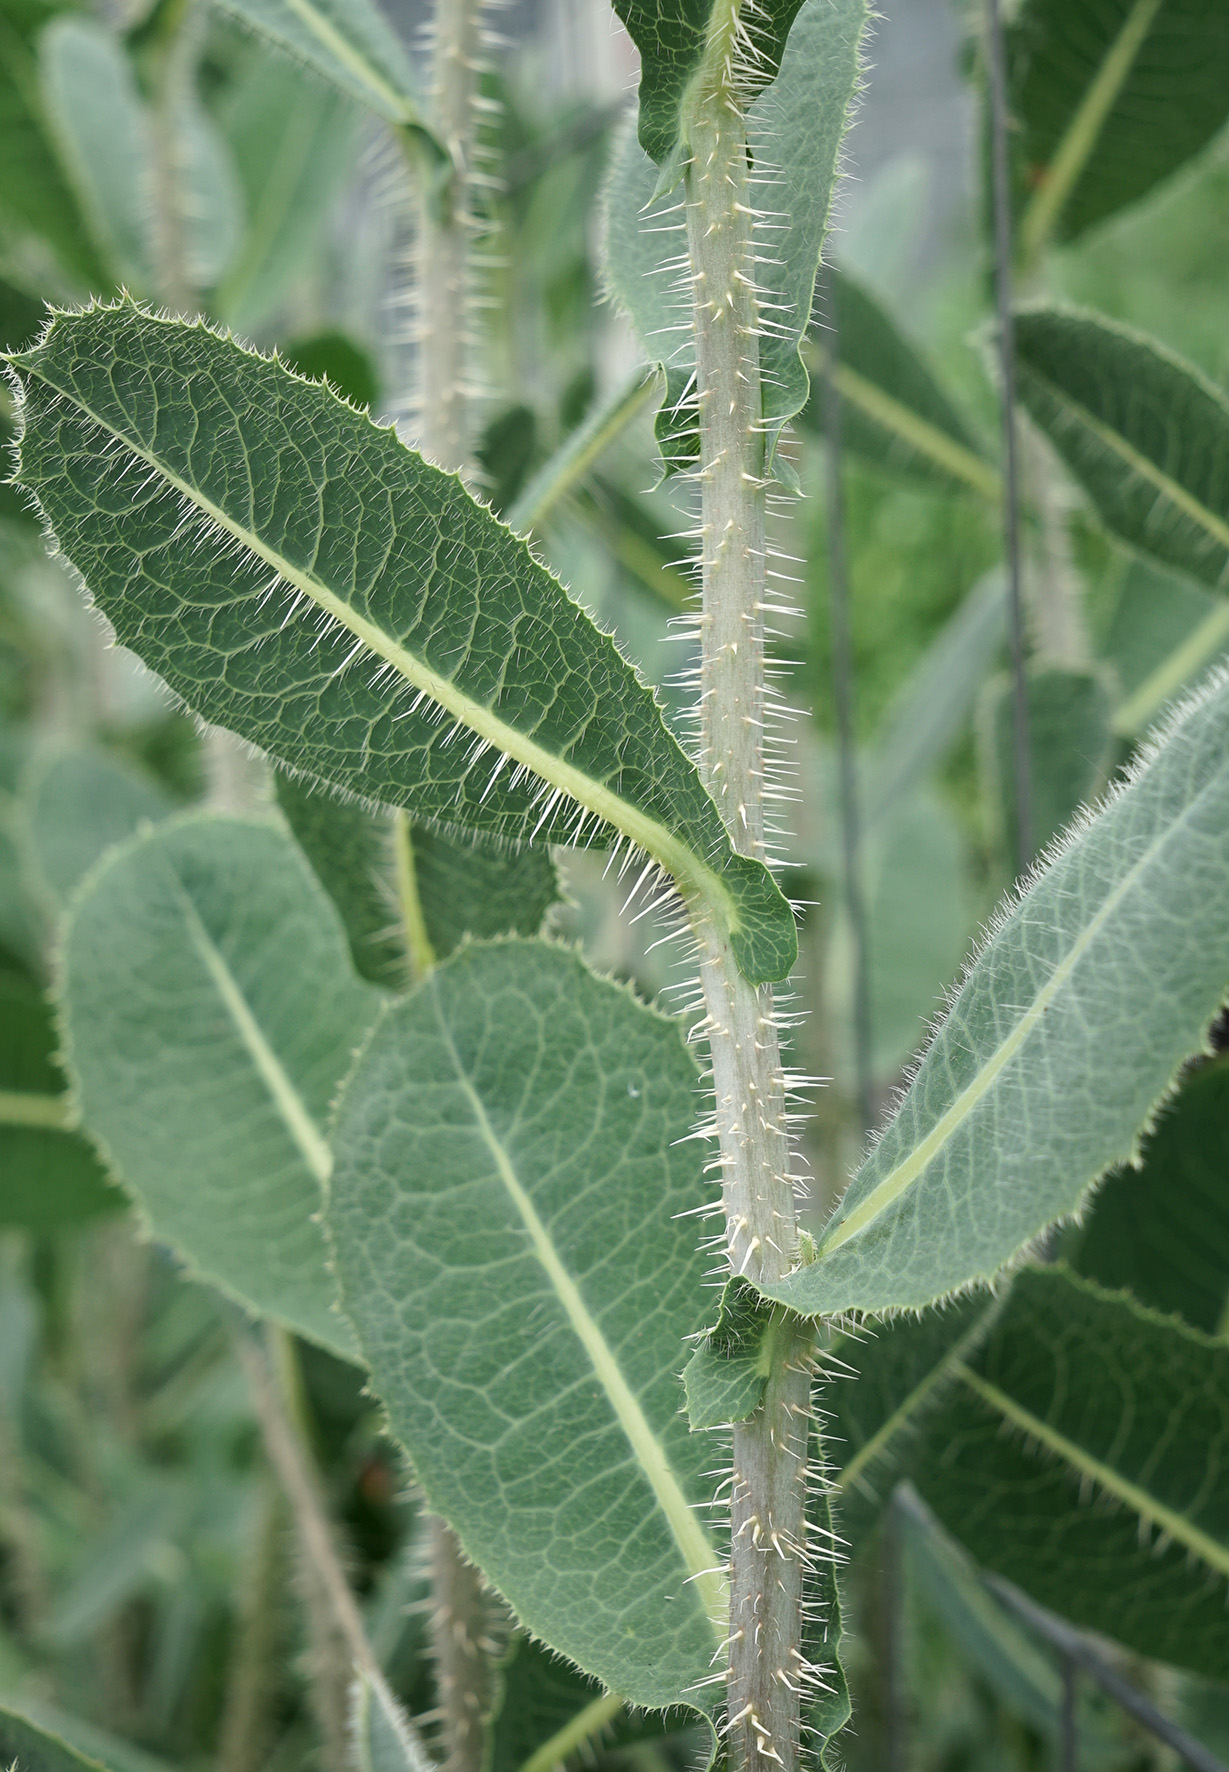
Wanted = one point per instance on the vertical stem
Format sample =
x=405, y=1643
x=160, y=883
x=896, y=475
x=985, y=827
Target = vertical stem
x=997, y=71
x=459, y=1616
x=254, y=1676
x=176, y=57
x=1069, y=1751
x=768, y=1497
x=842, y=695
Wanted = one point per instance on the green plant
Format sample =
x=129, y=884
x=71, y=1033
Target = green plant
x=329, y=1043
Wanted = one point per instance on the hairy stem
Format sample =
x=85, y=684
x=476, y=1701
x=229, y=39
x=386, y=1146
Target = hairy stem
x=768, y=1503
x=292, y=1464
x=446, y=228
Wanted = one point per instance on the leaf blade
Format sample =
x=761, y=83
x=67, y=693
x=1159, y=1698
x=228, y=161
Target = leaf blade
x=405, y=575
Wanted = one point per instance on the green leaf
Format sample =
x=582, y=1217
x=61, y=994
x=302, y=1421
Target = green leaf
x=1071, y=751
x=297, y=574
x=806, y=108
x=99, y=123
x=293, y=140
x=547, y=1714
x=27, y=1748
x=331, y=356
x=210, y=1014
x=511, y=1211
x=74, y=805
x=1049, y=1063
x=724, y=1379
x=893, y=411
x=381, y=1737
x=673, y=36
x=1084, y=1455
x=49, y=1176
x=1107, y=98
x=1145, y=434
x=1161, y=1231
x=350, y=43
x=368, y=865
x=43, y=243
x=1164, y=632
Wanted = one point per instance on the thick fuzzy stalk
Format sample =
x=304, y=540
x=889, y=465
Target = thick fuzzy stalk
x=445, y=233
x=768, y=1502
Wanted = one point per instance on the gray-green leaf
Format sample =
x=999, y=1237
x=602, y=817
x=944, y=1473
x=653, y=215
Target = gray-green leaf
x=1071, y=751
x=210, y=1013
x=1145, y=434
x=28, y=1748
x=1070, y=1026
x=510, y=1171
x=297, y=574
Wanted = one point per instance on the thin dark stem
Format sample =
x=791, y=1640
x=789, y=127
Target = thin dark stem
x=1021, y=758
x=842, y=696
x=1077, y=1652
x=1069, y=1747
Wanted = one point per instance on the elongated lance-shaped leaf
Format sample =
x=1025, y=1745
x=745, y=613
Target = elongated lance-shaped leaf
x=893, y=410
x=351, y=44
x=1092, y=989
x=381, y=1738
x=1162, y=1231
x=1107, y=98
x=210, y=1012
x=673, y=37
x=298, y=575
x=1165, y=633
x=795, y=129
x=1083, y=1453
x=511, y=1212
x=1071, y=748
x=1145, y=434
x=547, y=1714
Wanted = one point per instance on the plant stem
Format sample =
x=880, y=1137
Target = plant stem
x=292, y=1463
x=255, y=1674
x=446, y=228
x=769, y=1489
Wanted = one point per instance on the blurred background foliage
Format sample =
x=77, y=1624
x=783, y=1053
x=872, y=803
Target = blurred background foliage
x=151, y=1606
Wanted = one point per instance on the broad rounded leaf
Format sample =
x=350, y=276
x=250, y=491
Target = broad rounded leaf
x=297, y=574
x=511, y=1210
x=210, y=1013
x=1069, y=1028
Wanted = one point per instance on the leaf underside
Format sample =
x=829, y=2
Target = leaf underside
x=504, y=1211
x=210, y=1014
x=1069, y=1028
x=298, y=575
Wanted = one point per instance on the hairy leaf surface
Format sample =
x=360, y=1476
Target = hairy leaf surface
x=297, y=574
x=1166, y=631
x=1084, y=1455
x=1068, y=1029
x=26, y=1746
x=210, y=1014
x=795, y=130
x=1162, y=1230
x=1107, y=98
x=1145, y=434
x=73, y=805
x=894, y=412
x=672, y=36
x=505, y=1202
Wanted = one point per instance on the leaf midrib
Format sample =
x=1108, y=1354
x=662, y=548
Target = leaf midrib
x=286, y=1098
x=28, y=1109
x=1148, y=1507
x=1139, y=463
x=357, y=65
x=692, y=875
x=693, y=1543
x=918, y=432
x=899, y=1180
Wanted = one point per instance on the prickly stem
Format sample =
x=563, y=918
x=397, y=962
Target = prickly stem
x=769, y=1527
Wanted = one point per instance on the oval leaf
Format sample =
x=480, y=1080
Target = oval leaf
x=511, y=1210
x=1145, y=434
x=1067, y=1031
x=298, y=575
x=210, y=1014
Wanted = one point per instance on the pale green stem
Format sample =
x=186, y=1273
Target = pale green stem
x=254, y=1675
x=579, y=1731
x=292, y=1464
x=768, y=1496
x=174, y=72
